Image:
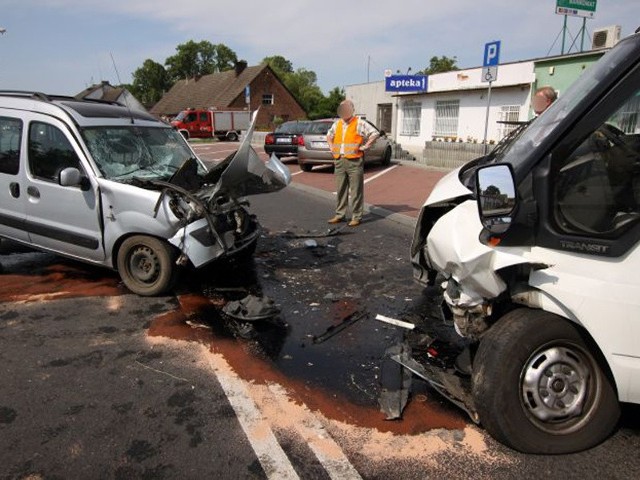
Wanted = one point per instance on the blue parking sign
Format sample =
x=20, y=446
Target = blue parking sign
x=491, y=54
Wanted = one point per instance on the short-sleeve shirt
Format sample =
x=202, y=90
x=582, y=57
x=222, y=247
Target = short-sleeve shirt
x=365, y=130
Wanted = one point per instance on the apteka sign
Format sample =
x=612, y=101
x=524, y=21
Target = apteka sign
x=406, y=83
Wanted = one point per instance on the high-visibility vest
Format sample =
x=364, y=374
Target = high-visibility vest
x=349, y=137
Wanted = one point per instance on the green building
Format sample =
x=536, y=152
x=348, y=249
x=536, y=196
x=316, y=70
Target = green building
x=561, y=71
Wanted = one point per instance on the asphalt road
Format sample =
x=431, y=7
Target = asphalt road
x=98, y=383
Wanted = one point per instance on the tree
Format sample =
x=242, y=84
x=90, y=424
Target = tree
x=194, y=59
x=150, y=81
x=328, y=106
x=441, y=64
x=279, y=64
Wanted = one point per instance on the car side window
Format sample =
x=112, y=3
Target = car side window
x=10, y=137
x=49, y=152
x=597, y=186
x=203, y=117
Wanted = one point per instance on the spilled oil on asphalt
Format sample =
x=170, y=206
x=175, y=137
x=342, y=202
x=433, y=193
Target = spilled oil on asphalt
x=325, y=346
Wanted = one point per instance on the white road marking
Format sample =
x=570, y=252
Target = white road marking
x=326, y=450
x=274, y=461
x=297, y=173
x=380, y=174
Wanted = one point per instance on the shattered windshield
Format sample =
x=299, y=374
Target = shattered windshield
x=124, y=152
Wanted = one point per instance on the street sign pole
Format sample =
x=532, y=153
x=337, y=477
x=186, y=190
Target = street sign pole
x=564, y=34
x=486, y=119
x=489, y=74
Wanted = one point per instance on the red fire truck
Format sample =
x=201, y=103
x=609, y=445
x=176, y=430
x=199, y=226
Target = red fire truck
x=223, y=124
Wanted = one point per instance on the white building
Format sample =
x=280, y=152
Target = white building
x=454, y=106
x=375, y=104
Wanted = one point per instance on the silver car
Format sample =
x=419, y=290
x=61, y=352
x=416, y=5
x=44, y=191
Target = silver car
x=99, y=183
x=313, y=148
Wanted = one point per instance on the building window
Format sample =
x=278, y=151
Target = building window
x=267, y=99
x=510, y=114
x=411, y=113
x=627, y=118
x=446, y=122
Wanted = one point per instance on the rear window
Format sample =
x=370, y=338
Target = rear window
x=295, y=128
x=319, y=128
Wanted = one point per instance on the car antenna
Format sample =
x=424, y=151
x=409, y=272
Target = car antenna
x=126, y=102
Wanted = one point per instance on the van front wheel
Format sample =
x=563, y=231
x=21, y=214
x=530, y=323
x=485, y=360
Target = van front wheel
x=539, y=386
x=146, y=265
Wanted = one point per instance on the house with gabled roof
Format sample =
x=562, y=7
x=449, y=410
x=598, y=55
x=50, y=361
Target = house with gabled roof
x=227, y=91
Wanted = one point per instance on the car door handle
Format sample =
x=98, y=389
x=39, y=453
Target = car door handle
x=33, y=192
x=14, y=188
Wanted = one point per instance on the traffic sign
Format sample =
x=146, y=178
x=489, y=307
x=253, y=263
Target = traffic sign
x=489, y=74
x=491, y=54
x=576, y=8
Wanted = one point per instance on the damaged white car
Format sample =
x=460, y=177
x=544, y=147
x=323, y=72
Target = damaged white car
x=536, y=246
x=100, y=183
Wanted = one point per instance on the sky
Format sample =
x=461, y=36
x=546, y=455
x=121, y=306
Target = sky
x=62, y=46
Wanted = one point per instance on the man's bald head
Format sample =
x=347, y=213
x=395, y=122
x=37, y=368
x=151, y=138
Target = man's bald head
x=346, y=110
x=543, y=98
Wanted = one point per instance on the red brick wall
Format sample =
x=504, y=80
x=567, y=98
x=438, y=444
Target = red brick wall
x=285, y=106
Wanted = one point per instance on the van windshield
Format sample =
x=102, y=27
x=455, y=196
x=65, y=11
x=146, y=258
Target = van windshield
x=123, y=152
x=523, y=146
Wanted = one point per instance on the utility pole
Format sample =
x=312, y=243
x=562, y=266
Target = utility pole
x=368, y=66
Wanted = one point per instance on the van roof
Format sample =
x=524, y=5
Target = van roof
x=84, y=112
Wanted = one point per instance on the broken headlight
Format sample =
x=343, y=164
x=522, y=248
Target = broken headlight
x=185, y=209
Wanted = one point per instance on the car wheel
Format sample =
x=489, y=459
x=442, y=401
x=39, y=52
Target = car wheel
x=232, y=137
x=306, y=167
x=386, y=158
x=539, y=387
x=146, y=265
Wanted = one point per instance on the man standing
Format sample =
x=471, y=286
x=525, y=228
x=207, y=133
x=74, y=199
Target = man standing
x=348, y=138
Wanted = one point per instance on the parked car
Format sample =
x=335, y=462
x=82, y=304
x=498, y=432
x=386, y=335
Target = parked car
x=313, y=148
x=221, y=124
x=100, y=183
x=283, y=141
x=538, y=244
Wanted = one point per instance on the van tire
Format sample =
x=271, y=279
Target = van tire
x=306, y=167
x=551, y=353
x=147, y=265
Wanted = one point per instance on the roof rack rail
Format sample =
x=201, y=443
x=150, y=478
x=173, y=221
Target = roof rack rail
x=49, y=98
x=25, y=93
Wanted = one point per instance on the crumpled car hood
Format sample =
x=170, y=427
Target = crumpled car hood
x=245, y=174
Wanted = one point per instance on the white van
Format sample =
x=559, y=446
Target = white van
x=100, y=183
x=537, y=247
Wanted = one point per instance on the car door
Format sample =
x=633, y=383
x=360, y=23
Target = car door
x=12, y=199
x=375, y=152
x=589, y=233
x=62, y=219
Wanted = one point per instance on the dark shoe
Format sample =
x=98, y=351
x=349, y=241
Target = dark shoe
x=335, y=220
x=354, y=223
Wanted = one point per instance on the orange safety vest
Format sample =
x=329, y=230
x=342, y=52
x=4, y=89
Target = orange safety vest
x=348, y=137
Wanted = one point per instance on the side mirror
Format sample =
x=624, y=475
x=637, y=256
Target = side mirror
x=71, y=177
x=496, y=193
x=383, y=133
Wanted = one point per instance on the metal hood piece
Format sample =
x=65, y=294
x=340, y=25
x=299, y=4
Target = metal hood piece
x=246, y=174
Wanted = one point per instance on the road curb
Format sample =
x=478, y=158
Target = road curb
x=399, y=218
